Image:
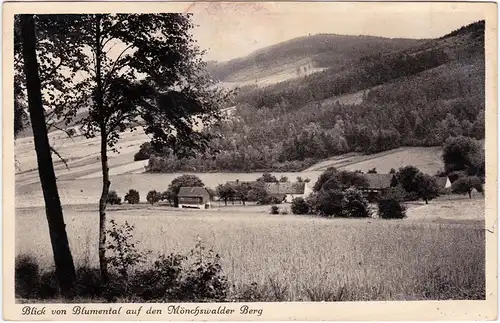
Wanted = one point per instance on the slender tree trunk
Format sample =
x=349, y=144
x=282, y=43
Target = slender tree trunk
x=65, y=268
x=426, y=201
x=104, y=157
x=470, y=194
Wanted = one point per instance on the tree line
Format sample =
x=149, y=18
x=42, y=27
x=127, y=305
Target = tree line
x=289, y=127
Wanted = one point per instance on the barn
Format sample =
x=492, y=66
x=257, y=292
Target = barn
x=377, y=184
x=193, y=197
x=287, y=191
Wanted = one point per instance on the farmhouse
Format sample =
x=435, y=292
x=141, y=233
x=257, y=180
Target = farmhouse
x=287, y=191
x=194, y=197
x=443, y=182
x=377, y=184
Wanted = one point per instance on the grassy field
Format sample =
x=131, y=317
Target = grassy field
x=436, y=253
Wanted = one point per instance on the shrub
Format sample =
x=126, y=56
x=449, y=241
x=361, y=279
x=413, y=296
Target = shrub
x=268, y=199
x=275, y=209
x=205, y=280
x=48, y=285
x=284, y=212
x=132, y=197
x=161, y=281
x=122, y=253
x=354, y=205
x=167, y=196
x=113, y=198
x=391, y=209
x=88, y=282
x=327, y=203
x=300, y=206
x=153, y=197
x=145, y=151
x=26, y=277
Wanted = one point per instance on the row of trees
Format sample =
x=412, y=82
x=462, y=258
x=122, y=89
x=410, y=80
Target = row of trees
x=122, y=69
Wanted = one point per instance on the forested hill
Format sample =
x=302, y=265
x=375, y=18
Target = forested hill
x=415, y=96
x=316, y=51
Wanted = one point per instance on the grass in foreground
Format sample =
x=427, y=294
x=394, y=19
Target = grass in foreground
x=290, y=258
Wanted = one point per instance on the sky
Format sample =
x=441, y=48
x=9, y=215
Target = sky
x=230, y=30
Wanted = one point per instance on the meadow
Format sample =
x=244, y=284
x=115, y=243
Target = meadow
x=436, y=253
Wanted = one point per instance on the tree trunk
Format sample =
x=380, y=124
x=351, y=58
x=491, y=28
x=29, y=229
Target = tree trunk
x=104, y=158
x=426, y=201
x=225, y=202
x=65, y=268
x=470, y=194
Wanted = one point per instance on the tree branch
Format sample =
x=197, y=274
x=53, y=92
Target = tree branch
x=115, y=64
x=58, y=155
x=63, y=130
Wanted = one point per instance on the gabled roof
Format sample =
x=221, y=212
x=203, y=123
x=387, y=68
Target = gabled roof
x=192, y=192
x=285, y=188
x=240, y=182
x=441, y=181
x=379, y=181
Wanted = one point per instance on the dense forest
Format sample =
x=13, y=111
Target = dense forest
x=417, y=96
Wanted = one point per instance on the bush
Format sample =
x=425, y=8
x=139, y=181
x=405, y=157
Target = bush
x=391, y=209
x=354, y=205
x=153, y=197
x=197, y=278
x=300, y=206
x=27, y=277
x=145, y=151
x=275, y=210
x=161, y=281
x=113, y=198
x=266, y=200
x=132, y=197
x=327, y=203
x=205, y=280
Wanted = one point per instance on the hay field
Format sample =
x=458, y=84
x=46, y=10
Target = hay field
x=427, y=159
x=436, y=253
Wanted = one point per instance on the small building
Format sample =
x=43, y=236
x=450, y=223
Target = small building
x=193, y=197
x=377, y=185
x=443, y=182
x=287, y=191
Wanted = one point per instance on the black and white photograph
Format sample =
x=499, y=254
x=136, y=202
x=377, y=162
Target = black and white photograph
x=250, y=153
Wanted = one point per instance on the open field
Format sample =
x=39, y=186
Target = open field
x=436, y=253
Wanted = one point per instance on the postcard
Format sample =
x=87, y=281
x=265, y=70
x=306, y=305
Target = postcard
x=250, y=161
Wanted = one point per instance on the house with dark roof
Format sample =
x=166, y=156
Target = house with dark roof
x=377, y=184
x=193, y=197
x=287, y=191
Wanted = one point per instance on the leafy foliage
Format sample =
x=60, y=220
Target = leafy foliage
x=300, y=206
x=463, y=154
x=416, y=97
x=327, y=203
x=465, y=185
x=113, y=198
x=332, y=179
x=153, y=197
x=132, y=197
x=123, y=254
x=354, y=205
x=391, y=209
